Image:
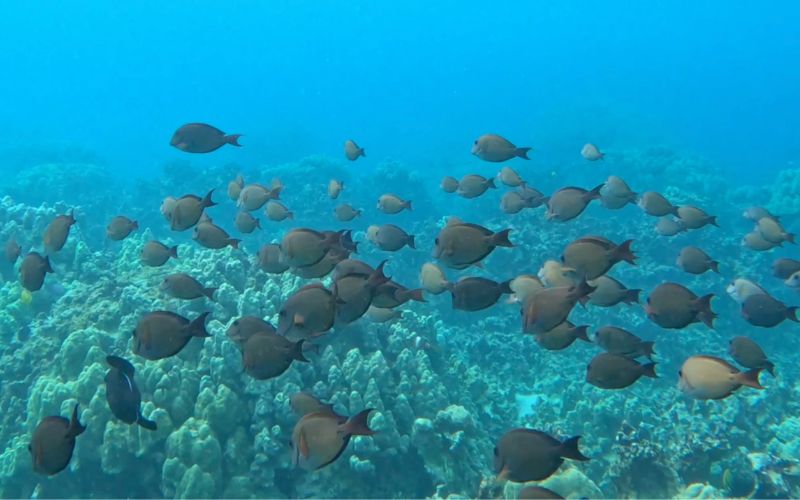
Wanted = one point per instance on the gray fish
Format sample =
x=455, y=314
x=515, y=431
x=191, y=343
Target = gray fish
x=656, y=205
x=53, y=443
x=156, y=254
x=473, y=185
x=55, y=236
x=695, y=218
x=512, y=202
x=351, y=266
x=756, y=213
x=277, y=211
x=707, y=377
x=766, y=311
x=612, y=371
x=245, y=327
x=120, y=227
x=318, y=439
x=303, y=403
x=335, y=188
x=393, y=204
x=532, y=196
x=476, y=294
x=389, y=237
x=188, y=209
x=754, y=241
x=449, y=184
x=183, y=286
x=382, y=315
x=267, y=355
x=616, y=193
x=562, y=336
x=122, y=394
x=309, y=312
x=13, y=250
x=523, y=455
x=352, y=152
x=161, y=334
x=550, y=307
x=345, y=212
x=492, y=147
x=246, y=223
x=235, y=187
x=569, y=202
x=749, y=354
x=695, y=261
x=32, y=271
x=304, y=247
x=201, y=138
x=623, y=343
x=668, y=226
x=461, y=245
x=322, y=268
x=269, y=259
x=783, y=268
x=212, y=236
x=671, y=305
x=772, y=231
x=510, y=177
x=254, y=196
x=590, y=152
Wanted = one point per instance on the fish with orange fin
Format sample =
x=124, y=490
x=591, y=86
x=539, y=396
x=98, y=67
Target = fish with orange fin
x=319, y=438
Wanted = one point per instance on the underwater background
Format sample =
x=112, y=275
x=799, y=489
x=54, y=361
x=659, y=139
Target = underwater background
x=695, y=100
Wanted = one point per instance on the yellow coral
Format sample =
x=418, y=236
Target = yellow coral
x=25, y=297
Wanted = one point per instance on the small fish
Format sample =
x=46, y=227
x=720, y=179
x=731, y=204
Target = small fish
x=32, y=271
x=267, y=355
x=254, y=196
x=13, y=250
x=616, y=193
x=523, y=455
x=612, y=371
x=188, y=209
x=277, y=211
x=550, y=307
x=754, y=241
x=476, y=294
x=120, y=227
x=461, y=245
x=303, y=403
x=53, y=443
x=695, y=218
x=161, y=334
x=784, y=268
x=303, y=247
x=562, y=336
x=524, y=286
x=55, y=236
x=512, y=202
x=593, y=256
x=156, y=254
x=667, y=226
x=382, y=315
x=610, y=292
x=449, y=184
x=212, y=236
x=122, y=394
x=389, y=237
x=671, y=305
x=319, y=438
x=201, y=138
x=764, y=310
x=433, y=279
x=473, y=185
x=707, y=377
x=352, y=152
x=695, y=261
x=623, y=343
x=182, y=286
x=246, y=223
x=656, y=205
x=335, y=188
x=591, y=153
x=772, y=231
x=740, y=289
x=510, y=177
x=269, y=259
x=392, y=204
x=235, y=187
x=245, y=327
x=749, y=354
x=569, y=202
x=491, y=147
x=309, y=312
x=757, y=213
x=345, y=212
x=553, y=274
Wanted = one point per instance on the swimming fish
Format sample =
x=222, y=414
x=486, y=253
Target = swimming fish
x=389, y=237
x=671, y=305
x=623, y=343
x=449, y=184
x=523, y=455
x=53, y=443
x=309, y=312
x=55, y=236
x=554, y=274
x=749, y=354
x=352, y=152
x=123, y=395
x=513, y=202
x=345, y=212
x=754, y=241
x=473, y=185
x=524, y=286
x=655, y=204
x=432, y=278
x=610, y=292
x=392, y=204
x=303, y=403
x=156, y=254
x=461, y=245
x=319, y=438
x=161, y=334
x=246, y=223
x=612, y=371
x=550, y=307
x=510, y=177
x=267, y=355
x=235, y=187
x=695, y=261
x=32, y=271
x=784, y=268
x=120, y=227
x=354, y=293
x=616, y=193
x=277, y=211
x=201, y=138
x=562, y=336
x=591, y=153
x=756, y=213
x=13, y=250
x=491, y=147
x=183, y=286
x=764, y=310
x=695, y=218
x=246, y=326
x=254, y=196
x=593, y=256
x=270, y=260
x=667, y=226
x=740, y=289
x=475, y=294
x=708, y=377
x=167, y=207
x=335, y=188
x=188, y=209
x=212, y=236
x=569, y=202
x=772, y=231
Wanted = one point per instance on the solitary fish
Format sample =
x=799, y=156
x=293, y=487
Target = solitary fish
x=707, y=377
x=161, y=334
x=591, y=153
x=671, y=305
x=319, y=438
x=246, y=223
x=32, y=271
x=390, y=238
x=695, y=218
x=392, y=204
x=352, y=152
x=13, y=250
x=550, y=307
x=235, y=187
x=764, y=310
x=523, y=455
x=612, y=371
x=53, y=442
x=476, y=294
x=188, y=209
x=569, y=202
x=491, y=147
x=449, y=184
x=201, y=138
x=562, y=336
x=593, y=256
x=267, y=355
x=623, y=343
x=345, y=212
x=123, y=395
x=432, y=278
x=695, y=261
x=269, y=259
x=335, y=188
x=461, y=245
x=473, y=185
x=245, y=327
x=749, y=354
x=120, y=227
x=55, y=236
x=616, y=193
x=182, y=286
x=156, y=254
x=655, y=204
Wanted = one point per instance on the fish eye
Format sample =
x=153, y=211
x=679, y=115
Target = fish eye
x=282, y=313
x=476, y=141
x=436, y=242
x=680, y=373
x=496, y=451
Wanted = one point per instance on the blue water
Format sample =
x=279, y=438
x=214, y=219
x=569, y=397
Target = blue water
x=696, y=100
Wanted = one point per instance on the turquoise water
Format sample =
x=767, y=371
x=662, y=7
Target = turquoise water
x=696, y=102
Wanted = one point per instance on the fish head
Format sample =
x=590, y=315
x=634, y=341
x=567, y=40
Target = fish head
x=476, y=147
x=165, y=284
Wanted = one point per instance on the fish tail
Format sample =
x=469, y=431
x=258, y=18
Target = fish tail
x=47, y=267
x=790, y=238
x=770, y=368
x=713, y=220
x=275, y=193
x=297, y=351
x=505, y=287
x=378, y=277
x=580, y=333
x=714, y=266
x=411, y=243
x=207, y=201
x=749, y=378
x=209, y=292
x=569, y=449
x=522, y=153
x=357, y=425
x=791, y=313
x=649, y=370
x=647, y=349
x=197, y=328
x=595, y=192
x=415, y=295
x=490, y=183
x=75, y=426
x=290, y=215
x=704, y=312
x=632, y=296
x=234, y=243
x=173, y=252
x=500, y=238
x=623, y=252
x=147, y=424
x=233, y=140
x=121, y=364
x=362, y=152
x=407, y=205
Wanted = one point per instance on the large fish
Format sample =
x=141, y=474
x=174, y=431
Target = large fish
x=523, y=455
x=161, y=334
x=123, y=395
x=201, y=138
x=319, y=438
x=460, y=245
x=53, y=442
x=492, y=147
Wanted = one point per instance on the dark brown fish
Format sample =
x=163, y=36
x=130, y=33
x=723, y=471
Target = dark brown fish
x=562, y=336
x=695, y=218
x=183, y=286
x=32, y=271
x=461, y=245
x=569, y=202
x=304, y=247
x=594, y=256
x=612, y=371
x=550, y=307
x=473, y=185
x=656, y=205
x=476, y=294
x=707, y=377
x=671, y=305
x=53, y=442
x=319, y=438
x=616, y=193
x=245, y=327
x=188, y=209
x=235, y=187
x=749, y=354
x=120, y=227
x=491, y=147
x=783, y=268
x=324, y=266
x=695, y=261
x=352, y=152
x=212, y=236
x=156, y=254
x=309, y=312
x=354, y=293
x=267, y=355
x=13, y=250
x=246, y=223
x=345, y=212
x=610, y=292
x=161, y=334
x=623, y=343
x=55, y=236
x=303, y=403
x=393, y=204
x=532, y=492
x=766, y=311
x=254, y=196
x=389, y=237
x=391, y=294
x=270, y=260
x=122, y=394
x=523, y=455
x=201, y=138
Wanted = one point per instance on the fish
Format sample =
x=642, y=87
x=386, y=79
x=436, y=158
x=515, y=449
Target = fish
x=382, y=314
x=473, y=185
x=695, y=218
x=749, y=354
x=530, y=492
x=246, y=223
x=569, y=202
x=345, y=212
x=183, y=286
x=324, y=266
x=610, y=292
x=55, y=236
x=390, y=238
x=303, y=247
x=623, y=343
x=764, y=310
x=53, y=443
x=550, y=307
x=612, y=371
x=433, y=279
x=188, y=209
x=212, y=236
x=303, y=403
x=674, y=306
x=335, y=188
x=784, y=268
x=243, y=328
x=754, y=241
x=354, y=293
x=667, y=226
x=254, y=196
x=793, y=281
x=510, y=177
x=756, y=213
x=740, y=289
x=235, y=187
x=656, y=205
x=309, y=312
x=695, y=261
x=270, y=260
x=319, y=438
x=391, y=294
x=167, y=207
x=162, y=334
x=268, y=355
x=201, y=138
x=772, y=231
x=492, y=147
x=532, y=196
x=33, y=270
x=523, y=455
x=352, y=152
x=616, y=193
x=590, y=152
x=392, y=204
x=524, y=286
x=277, y=211
x=593, y=256
x=461, y=245
x=351, y=266
x=562, y=336
x=156, y=254
x=120, y=227
x=449, y=184
x=13, y=250
x=708, y=377
x=553, y=274
x=512, y=202
x=476, y=294
x=122, y=394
